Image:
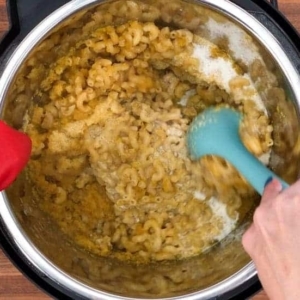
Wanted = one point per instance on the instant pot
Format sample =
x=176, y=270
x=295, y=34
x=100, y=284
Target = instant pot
x=24, y=16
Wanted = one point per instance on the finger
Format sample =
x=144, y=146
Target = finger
x=272, y=189
x=249, y=240
x=267, y=276
x=252, y=244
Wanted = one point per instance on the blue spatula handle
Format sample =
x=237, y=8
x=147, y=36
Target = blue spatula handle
x=250, y=167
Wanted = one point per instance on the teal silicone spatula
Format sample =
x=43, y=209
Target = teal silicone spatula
x=215, y=131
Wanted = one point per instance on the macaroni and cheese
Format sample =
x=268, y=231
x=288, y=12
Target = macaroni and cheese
x=110, y=163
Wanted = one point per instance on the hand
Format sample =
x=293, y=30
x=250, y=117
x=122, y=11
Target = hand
x=273, y=241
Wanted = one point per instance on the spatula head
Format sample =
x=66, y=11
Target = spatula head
x=214, y=131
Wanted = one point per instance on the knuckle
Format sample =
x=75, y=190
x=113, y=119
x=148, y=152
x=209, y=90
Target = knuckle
x=247, y=240
x=278, y=206
x=295, y=201
x=259, y=215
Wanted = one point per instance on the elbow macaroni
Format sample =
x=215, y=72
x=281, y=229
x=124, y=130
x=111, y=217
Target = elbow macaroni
x=114, y=101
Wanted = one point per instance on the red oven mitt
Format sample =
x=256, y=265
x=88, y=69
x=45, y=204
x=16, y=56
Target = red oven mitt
x=15, y=149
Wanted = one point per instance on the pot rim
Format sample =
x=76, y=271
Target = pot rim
x=19, y=237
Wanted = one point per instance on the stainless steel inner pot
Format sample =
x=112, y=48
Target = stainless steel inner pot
x=221, y=270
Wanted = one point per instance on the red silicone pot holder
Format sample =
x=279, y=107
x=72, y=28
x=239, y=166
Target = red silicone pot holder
x=15, y=149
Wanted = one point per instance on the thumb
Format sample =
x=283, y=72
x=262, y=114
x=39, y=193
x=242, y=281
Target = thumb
x=272, y=189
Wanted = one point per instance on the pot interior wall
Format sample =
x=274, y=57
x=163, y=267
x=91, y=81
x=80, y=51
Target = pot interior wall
x=152, y=280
